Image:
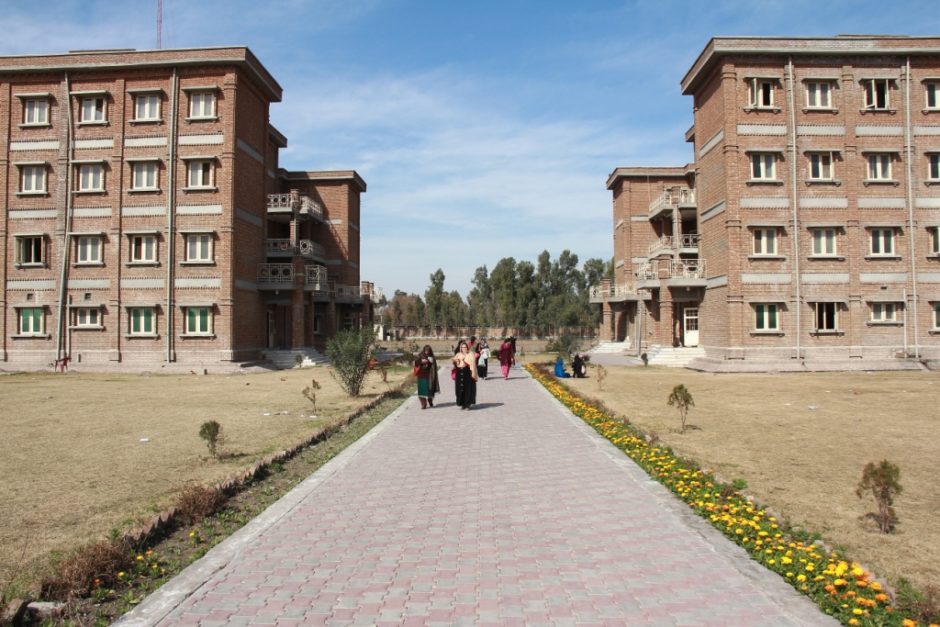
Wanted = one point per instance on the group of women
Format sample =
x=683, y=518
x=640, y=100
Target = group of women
x=470, y=363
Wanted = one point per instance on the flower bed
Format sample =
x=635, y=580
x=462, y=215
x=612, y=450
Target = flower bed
x=841, y=588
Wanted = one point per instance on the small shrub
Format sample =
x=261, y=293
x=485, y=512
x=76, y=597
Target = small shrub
x=86, y=568
x=882, y=481
x=350, y=352
x=196, y=502
x=645, y=359
x=564, y=345
x=739, y=484
x=211, y=432
x=310, y=392
x=601, y=376
x=681, y=399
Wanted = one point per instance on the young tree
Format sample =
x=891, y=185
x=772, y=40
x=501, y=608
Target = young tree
x=681, y=399
x=883, y=482
x=350, y=352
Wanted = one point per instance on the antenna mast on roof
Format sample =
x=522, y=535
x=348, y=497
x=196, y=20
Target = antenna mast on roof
x=159, y=24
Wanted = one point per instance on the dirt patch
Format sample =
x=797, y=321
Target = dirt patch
x=86, y=453
x=800, y=441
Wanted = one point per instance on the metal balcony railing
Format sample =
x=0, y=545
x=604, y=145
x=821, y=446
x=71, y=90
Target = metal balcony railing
x=287, y=203
x=310, y=207
x=600, y=293
x=285, y=248
x=279, y=274
x=315, y=277
x=673, y=199
x=671, y=269
x=279, y=203
x=312, y=250
x=670, y=242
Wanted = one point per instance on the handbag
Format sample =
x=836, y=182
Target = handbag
x=453, y=374
x=417, y=370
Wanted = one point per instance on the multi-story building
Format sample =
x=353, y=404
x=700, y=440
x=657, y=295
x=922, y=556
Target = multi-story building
x=145, y=219
x=806, y=234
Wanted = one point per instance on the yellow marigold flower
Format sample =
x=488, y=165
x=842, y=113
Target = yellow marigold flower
x=801, y=577
x=121, y=574
x=810, y=567
x=840, y=582
x=857, y=611
x=907, y=622
x=881, y=597
x=875, y=585
x=853, y=621
x=140, y=558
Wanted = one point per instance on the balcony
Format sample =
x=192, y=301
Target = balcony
x=671, y=273
x=672, y=200
x=670, y=244
x=285, y=205
x=316, y=280
x=614, y=293
x=348, y=293
x=275, y=276
x=281, y=247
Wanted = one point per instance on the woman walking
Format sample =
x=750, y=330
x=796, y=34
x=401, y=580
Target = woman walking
x=465, y=381
x=426, y=373
x=483, y=362
x=507, y=357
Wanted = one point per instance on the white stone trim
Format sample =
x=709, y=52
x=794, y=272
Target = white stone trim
x=249, y=150
x=762, y=129
x=94, y=143
x=766, y=202
x=865, y=202
x=207, y=139
x=142, y=284
x=144, y=142
x=819, y=278
x=880, y=130
x=32, y=214
x=38, y=285
x=250, y=218
x=44, y=144
x=90, y=284
x=143, y=211
x=196, y=283
x=768, y=278
x=198, y=210
x=91, y=212
x=882, y=277
x=824, y=203
x=711, y=143
x=820, y=130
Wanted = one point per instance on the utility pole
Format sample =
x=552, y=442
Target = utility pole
x=159, y=24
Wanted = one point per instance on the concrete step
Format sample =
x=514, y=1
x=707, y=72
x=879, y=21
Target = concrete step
x=302, y=357
x=609, y=348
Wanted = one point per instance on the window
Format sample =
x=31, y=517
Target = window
x=763, y=166
x=819, y=95
x=882, y=242
x=144, y=176
x=200, y=173
x=820, y=166
x=33, y=179
x=765, y=317
x=198, y=321
x=934, y=240
x=88, y=317
x=30, y=321
x=876, y=94
x=884, y=312
x=143, y=248
x=761, y=93
x=146, y=107
x=879, y=166
x=142, y=320
x=36, y=112
x=199, y=247
x=765, y=241
x=93, y=110
x=29, y=250
x=936, y=315
x=826, y=316
x=933, y=95
x=933, y=167
x=824, y=242
x=91, y=177
x=202, y=104
x=88, y=249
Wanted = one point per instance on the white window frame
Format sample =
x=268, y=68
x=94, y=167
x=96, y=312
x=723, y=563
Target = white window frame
x=197, y=325
x=200, y=248
x=875, y=99
x=821, y=166
x=766, y=317
x=765, y=241
x=89, y=250
x=884, y=313
x=203, y=105
x=90, y=177
x=763, y=166
x=87, y=318
x=145, y=176
x=824, y=241
x=819, y=94
x=29, y=324
x=27, y=249
x=821, y=315
x=34, y=179
x=32, y=106
x=934, y=239
x=882, y=241
x=139, y=324
x=878, y=167
x=200, y=174
x=933, y=167
x=760, y=93
x=89, y=111
x=932, y=95
x=143, y=248
x=147, y=107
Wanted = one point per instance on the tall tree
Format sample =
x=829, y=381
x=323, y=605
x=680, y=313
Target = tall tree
x=503, y=282
x=433, y=298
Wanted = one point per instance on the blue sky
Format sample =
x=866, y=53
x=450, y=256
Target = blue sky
x=484, y=129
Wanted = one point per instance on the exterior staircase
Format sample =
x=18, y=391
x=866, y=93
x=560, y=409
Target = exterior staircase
x=610, y=348
x=287, y=359
x=673, y=357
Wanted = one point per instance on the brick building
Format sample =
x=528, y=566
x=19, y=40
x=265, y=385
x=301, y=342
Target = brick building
x=146, y=221
x=806, y=234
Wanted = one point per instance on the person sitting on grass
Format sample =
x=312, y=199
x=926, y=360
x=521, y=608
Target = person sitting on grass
x=578, y=366
x=560, y=369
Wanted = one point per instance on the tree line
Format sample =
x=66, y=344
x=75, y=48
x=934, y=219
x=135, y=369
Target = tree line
x=544, y=295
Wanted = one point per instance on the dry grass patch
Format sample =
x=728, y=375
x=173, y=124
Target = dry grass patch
x=85, y=453
x=801, y=442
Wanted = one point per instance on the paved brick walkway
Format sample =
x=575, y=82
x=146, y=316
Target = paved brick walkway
x=512, y=513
